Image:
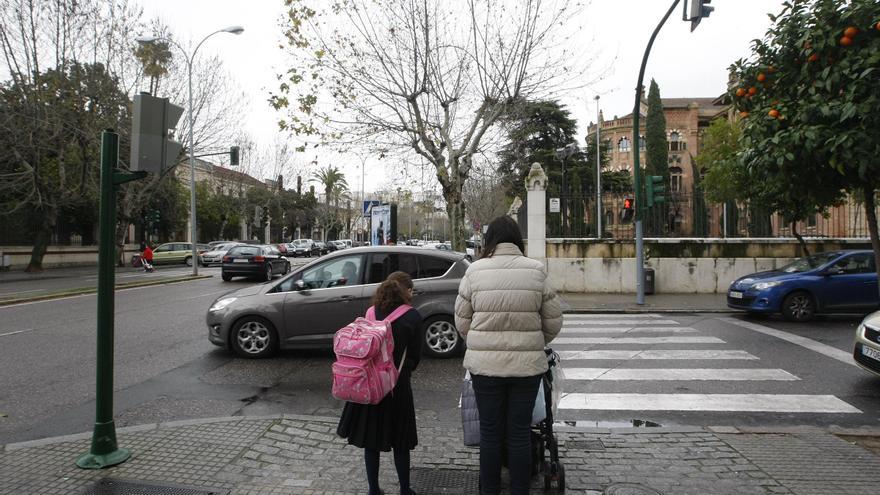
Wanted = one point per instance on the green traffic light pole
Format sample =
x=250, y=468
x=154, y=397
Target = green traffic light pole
x=104, y=451
x=637, y=173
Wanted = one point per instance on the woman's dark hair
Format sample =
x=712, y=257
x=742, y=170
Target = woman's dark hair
x=502, y=229
x=393, y=292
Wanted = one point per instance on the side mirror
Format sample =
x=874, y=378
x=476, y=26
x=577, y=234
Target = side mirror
x=299, y=285
x=834, y=270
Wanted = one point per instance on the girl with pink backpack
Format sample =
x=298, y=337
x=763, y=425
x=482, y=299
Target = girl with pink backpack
x=390, y=424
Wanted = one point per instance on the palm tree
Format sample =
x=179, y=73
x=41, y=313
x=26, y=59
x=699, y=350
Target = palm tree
x=332, y=179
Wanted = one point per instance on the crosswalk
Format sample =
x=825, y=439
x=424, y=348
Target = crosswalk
x=607, y=358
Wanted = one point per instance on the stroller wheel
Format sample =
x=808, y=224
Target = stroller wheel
x=554, y=471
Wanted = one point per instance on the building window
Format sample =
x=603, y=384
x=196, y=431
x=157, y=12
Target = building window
x=675, y=179
x=641, y=143
x=623, y=145
x=676, y=143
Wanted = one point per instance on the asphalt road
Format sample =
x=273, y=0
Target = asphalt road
x=166, y=369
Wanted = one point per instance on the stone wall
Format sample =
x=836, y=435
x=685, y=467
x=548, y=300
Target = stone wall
x=681, y=265
x=58, y=256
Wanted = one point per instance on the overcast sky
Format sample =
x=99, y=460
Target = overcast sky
x=684, y=64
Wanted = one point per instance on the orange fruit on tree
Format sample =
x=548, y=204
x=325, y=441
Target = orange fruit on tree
x=752, y=91
x=814, y=57
x=743, y=114
x=740, y=92
x=846, y=41
x=762, y=77
x=877, y=26
x=851, y=32
x=771, y=69
x=773, y=113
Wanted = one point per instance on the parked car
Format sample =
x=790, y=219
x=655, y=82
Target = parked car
x=336, y=245
x=260, y=261
x=472, y=249
x=215, y=255
x=303, y=247
x=866, y=350
x=305, y=308
x=176, y=252
x=322, y=248
x=832, y=282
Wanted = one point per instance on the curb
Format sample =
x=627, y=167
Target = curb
x=92, y=290
x=728, y=430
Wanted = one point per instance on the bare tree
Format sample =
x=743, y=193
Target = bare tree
x=429, y=75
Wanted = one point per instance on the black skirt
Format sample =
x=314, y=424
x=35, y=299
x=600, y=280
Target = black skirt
x=383, y=426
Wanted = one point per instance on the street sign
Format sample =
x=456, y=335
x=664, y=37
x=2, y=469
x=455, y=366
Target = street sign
x=554, y=205
x=368, y=205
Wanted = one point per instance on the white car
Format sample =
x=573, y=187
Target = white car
x=866, y=350
x=215, y=255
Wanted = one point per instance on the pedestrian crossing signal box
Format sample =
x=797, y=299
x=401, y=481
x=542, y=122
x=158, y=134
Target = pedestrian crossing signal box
x=626, y=215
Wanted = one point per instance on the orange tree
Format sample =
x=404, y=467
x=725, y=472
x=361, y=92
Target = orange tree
x=808, y=96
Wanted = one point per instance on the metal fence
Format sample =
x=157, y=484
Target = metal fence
x=690, y=215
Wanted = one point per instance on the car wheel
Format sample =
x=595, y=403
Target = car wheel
x=253, y=337
x=268, y=275
x=286, y=268
x=799, y=306
x=188, y=260
x=226, y=277
x=442, y=339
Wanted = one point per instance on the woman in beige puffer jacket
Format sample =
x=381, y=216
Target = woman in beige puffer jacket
x=507, y=313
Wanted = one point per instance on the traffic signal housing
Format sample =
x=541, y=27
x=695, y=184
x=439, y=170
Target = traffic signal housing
x=626, y=215
x=152, y=120
x=265, y=217
x=233, y=156
x=655, y=190
x=699, y=9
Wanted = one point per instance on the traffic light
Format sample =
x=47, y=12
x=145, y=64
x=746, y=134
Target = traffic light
x=233, y=156
x=265, y=217
x=699, y=9
x=655, y=190
x=152, y=119
x=626, y=215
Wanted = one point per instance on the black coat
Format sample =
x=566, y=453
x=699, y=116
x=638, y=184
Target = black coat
x=392, y=422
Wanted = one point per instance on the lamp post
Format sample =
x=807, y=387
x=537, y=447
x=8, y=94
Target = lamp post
x=192, y=160
x=598, y=175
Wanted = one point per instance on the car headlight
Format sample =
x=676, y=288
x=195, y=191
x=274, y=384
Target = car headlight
x=765, y=285
x=221, y=304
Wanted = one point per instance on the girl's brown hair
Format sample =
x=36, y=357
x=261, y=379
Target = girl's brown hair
x=393, y=292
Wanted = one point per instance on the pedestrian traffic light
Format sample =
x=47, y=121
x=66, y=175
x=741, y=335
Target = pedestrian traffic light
x=655, y=189
x=152, y=122
x=265, y=217
x=626, y=215
x=233, y=156
x=699, y=9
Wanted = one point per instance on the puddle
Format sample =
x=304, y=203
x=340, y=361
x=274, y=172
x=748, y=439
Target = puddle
x=633, y=423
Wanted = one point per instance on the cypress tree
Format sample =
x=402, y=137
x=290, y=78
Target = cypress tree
x=656, y=157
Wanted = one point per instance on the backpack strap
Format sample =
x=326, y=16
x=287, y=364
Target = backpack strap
x=397, y=313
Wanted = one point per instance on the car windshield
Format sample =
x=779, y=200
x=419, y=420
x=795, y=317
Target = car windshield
x=809, y=263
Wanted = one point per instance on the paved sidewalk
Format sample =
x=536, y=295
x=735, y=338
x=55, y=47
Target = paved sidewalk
x=302, y=455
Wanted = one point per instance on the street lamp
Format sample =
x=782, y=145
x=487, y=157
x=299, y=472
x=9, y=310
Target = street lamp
x=562, y=154
x=598, y=174
x=192, y=161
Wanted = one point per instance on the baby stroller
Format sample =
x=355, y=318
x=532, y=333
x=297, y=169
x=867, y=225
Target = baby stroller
x=545, y=448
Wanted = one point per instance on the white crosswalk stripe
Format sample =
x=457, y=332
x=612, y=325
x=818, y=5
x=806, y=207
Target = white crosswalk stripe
x=637, y=340
x=708, y=402
x=639, y=335
x=659, y=374
x=571, y=332
x=655, y=354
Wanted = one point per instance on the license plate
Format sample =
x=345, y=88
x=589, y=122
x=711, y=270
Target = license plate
x=241, y=260
x=736, y=295
x=871, y=353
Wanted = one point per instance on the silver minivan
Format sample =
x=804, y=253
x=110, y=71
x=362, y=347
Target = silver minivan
x=304, y=309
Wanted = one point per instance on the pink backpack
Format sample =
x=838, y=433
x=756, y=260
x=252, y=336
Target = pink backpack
x=364, y=370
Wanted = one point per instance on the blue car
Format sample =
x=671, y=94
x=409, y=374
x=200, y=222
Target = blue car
x=832, y=282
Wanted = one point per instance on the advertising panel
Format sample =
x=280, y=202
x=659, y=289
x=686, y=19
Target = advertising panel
x=383, y=225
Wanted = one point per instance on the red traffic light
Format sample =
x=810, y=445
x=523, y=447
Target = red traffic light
x=627, y=203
